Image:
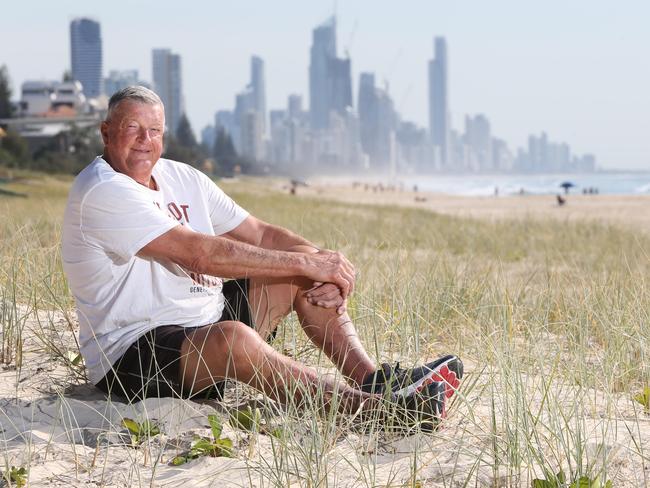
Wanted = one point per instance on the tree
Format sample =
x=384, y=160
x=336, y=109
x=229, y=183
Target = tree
x=15, y=152
x=182, y=145
x=184, y=133
x=70, y=151
x=6, y=109
x=224, y=152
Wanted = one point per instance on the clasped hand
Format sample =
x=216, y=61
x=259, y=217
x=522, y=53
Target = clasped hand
x=334, y=281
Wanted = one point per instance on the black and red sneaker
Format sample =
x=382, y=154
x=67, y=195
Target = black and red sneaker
x=446, y=369
x=421, y=408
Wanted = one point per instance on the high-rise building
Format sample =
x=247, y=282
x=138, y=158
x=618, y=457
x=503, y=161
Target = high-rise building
x=438, y=101
x=294, y=106
x=330, y=81
x=378, y=122
x=478, y=138
x=225, y=119
x=323, y=48
x=258, y=89
x=167, y=82
x=208, y=136
x=118, y=80
x=368, y=113
x=86, y=55
x=340, y=85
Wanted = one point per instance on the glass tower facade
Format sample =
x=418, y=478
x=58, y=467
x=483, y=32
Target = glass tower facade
x=86, y=55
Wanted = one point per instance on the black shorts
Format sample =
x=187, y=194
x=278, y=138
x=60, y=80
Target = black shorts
x=150, y=367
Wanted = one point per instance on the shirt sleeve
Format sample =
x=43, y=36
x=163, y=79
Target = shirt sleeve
x=225, y=214
x=120, y=218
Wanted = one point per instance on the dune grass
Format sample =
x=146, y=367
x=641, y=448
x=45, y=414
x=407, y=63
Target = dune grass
x=551, y=318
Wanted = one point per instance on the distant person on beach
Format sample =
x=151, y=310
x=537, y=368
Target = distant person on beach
x=146, y=242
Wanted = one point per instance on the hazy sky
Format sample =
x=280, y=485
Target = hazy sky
x=578, y=69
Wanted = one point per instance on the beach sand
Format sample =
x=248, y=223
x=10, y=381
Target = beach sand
x=68, y=434
x=631, y=211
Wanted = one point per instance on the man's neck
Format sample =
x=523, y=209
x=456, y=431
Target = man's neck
x=144, y=180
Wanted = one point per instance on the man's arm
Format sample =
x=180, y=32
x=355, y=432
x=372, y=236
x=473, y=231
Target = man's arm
x=259, y=233
x=268, y=236
x=229, y=258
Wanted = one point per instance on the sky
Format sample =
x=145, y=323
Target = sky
x=578, y=70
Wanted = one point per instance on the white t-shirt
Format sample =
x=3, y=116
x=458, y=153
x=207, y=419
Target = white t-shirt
x=120, y=295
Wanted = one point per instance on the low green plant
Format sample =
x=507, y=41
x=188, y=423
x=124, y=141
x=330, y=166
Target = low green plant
x=203, y=446
x=644, y=399
x=247, y=419
x=251, y=420
x=142, y=431
x=559, y=481
x=15, y=476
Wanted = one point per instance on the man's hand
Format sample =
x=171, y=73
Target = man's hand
x=333, y=267
x=327, y=295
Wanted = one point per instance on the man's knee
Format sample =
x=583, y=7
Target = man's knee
x=222, y=339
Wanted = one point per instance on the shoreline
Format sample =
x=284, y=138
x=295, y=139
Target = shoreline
x=632, y=211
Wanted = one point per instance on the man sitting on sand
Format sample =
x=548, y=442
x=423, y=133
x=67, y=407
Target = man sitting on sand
x=146, y=242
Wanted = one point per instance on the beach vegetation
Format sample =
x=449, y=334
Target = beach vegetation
x=15, y=476
x=141, y=431
x=559, y=481
x=217, y=446
x=644, y=399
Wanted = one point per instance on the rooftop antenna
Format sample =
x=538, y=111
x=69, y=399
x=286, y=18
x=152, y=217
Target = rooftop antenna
x=404, y=98
x=355, y=26
x=391, y=67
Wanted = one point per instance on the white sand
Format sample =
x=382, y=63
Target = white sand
x=68, y=434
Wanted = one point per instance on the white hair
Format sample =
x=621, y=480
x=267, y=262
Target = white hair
x=136, y=93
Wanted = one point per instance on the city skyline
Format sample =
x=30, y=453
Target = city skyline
x=597, y=105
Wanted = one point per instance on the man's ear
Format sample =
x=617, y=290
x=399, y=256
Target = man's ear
x=104, y=130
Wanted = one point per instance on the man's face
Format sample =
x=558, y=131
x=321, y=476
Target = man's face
x=133, y=139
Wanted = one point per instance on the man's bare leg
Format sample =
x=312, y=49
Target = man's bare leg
x=233, y=350
x=272, y=299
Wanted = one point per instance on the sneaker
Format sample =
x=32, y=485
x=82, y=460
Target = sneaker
x=446, y=369
x=424, y=408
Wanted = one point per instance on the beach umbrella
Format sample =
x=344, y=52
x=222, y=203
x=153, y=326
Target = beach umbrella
x=566, y=185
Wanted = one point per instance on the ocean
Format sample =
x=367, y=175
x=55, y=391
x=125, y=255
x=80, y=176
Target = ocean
x=637, y=183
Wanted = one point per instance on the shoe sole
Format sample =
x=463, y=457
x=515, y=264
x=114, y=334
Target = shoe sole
x=442, y=373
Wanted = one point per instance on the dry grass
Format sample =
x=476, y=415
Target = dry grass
x=551, y=318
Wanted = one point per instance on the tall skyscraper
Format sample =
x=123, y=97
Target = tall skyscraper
x=368, y=114
x=330, y=82
x=118, y=80
x=323, y=48
x=438, y=101
x=258, y=89
x=340, y=85
x=378, y=121
x=167, y=82
x=249, y=128
x=86, y=55
x=478, y=140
